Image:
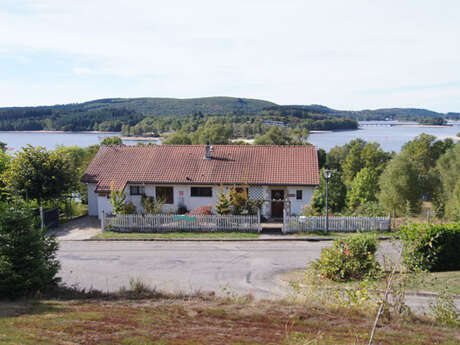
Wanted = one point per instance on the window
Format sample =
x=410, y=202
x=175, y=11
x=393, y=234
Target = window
x=201, y=191
x=298, y=194
x=136, y=190
x=165, y=194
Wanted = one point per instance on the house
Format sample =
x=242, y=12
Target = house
x=193, y=175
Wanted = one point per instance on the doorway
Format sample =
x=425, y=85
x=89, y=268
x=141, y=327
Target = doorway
x=277, y=203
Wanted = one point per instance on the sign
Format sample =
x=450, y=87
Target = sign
x=291, y=195
x=302, y=219
x=184, y=217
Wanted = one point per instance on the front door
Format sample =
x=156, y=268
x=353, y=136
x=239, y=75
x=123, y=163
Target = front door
x=277, y=206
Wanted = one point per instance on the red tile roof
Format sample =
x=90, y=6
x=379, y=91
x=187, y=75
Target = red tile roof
x=185, y=164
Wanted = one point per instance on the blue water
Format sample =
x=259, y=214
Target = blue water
x=390, y=138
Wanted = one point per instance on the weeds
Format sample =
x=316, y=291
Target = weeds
x=444, y=311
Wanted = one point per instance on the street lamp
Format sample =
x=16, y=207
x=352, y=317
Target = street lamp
x=327, y=176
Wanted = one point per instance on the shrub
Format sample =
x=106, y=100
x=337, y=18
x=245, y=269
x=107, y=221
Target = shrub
x=28, y=263
x=370, y=209
x=182, y=209
x=201, y=211
x=431, y=247
x=128, y=208
x=152, y=206
x=351, y=258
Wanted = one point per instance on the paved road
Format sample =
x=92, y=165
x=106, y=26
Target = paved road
x=238, y=267
x=184, y=266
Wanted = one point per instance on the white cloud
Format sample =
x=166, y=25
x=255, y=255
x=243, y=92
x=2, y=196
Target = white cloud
x=301, y=52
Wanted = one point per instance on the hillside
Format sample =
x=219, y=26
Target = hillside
x=181, y=107
x=112, y=113
x=413, y=114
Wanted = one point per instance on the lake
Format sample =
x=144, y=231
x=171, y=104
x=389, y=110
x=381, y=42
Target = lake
x=390, y=138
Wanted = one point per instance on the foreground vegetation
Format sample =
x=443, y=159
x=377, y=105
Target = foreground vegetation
x=430, y=282
x=141, y=316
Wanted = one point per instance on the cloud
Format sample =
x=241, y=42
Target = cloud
x=329, y=52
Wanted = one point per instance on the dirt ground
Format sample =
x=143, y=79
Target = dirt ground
x=78, y=229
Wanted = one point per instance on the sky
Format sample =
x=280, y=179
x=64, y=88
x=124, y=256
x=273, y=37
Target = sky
x=352, y=54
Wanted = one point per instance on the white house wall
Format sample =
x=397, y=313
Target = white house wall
x=298, y=205
x=92, y=200
x=103, y=204
x=182, y=197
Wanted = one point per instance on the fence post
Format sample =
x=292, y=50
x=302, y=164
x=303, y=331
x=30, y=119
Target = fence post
x=284, y=220
x=42, y=220
x=103, y=221
x=258, y=220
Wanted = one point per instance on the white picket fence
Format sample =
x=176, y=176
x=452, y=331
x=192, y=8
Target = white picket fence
x=338, y=224
x=180, y=223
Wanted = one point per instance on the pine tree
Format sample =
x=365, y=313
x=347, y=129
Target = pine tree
x=224, y=205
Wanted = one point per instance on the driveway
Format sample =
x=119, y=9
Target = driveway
x=78, y=229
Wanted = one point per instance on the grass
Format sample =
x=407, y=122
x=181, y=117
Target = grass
x=333, y=234
x=197, y=320
x=174, y=235
x=433, y=282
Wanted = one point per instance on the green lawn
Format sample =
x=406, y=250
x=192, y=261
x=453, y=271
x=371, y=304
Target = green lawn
x=333, y=234
x=434, y=282
x=173, y=235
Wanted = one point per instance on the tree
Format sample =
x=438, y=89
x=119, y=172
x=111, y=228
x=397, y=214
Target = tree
x=38, y=174
x=79, y=158
x=275, y=136
x=446, y=197
x=424, y=151
x=238, y=198
x=5, y=160
x=399, y=186
x=178, y=138
x=28, y=263
x=336, y=193
x=213, y=133
x=363, y=189
x=112, y=141
x=321, y=158
x=223, y=206
x=3, y=147
x=117, y=199
x=353, y=162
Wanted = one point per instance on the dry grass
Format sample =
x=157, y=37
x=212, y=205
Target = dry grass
x=201, y=320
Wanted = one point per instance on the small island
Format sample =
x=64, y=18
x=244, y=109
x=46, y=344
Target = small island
x=434, y=121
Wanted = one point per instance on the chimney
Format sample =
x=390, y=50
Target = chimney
x=207, y=154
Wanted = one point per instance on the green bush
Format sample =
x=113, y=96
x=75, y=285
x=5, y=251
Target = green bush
x=351, y=258
x=128, y=208
x=431, y=247
x=28, y=261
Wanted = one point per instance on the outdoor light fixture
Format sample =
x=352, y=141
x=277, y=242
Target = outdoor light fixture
x=327, y=176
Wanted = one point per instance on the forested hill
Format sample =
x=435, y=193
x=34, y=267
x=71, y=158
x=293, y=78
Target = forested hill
x=111, y=113
x=181, y=107
x=410, y=114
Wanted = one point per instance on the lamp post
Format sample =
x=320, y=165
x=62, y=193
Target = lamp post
x=327, y=176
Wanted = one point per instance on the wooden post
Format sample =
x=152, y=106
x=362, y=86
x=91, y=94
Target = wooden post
x=259, y=227
x=284, y=220
x=42, y=219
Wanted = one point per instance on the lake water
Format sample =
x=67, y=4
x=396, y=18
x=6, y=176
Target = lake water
x=390, y=138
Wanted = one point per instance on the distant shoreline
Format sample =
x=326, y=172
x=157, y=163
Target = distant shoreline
x=62, y=132
x=421, y=125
